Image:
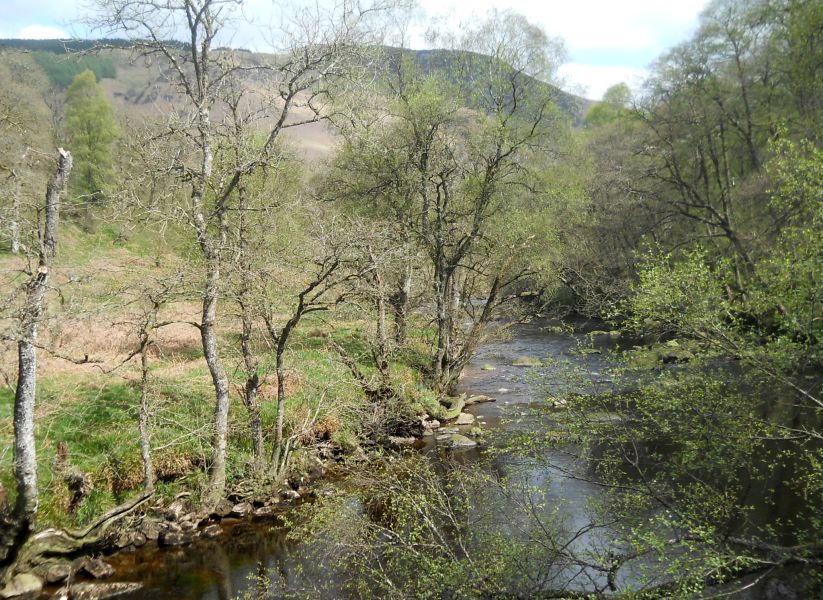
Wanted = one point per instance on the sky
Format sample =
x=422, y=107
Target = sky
x=607, y=41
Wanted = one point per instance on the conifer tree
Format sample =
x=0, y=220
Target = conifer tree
x=91, y=130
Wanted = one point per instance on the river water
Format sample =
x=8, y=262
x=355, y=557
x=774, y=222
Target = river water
x=240, y=560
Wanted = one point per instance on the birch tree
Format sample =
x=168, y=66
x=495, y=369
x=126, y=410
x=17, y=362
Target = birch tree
x=25, y=453
x=290, y=89
x=455, y=161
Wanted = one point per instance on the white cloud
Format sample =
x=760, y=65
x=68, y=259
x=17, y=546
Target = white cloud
x=591, y=81
x=628, y=25
x=42, y=32
x=590, y=24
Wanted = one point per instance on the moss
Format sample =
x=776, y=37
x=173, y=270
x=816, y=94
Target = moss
x=455, y=408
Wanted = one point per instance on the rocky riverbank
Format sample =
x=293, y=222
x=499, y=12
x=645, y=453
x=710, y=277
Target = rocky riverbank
x=180, y=523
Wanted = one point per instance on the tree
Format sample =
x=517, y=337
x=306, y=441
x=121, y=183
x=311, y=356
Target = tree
x=21, y=524
x=707, y=210
x=616, y=102
x=461, y=181
x=796, y=48
x=692, y=454
x=276, y=282
x=316, y=53
x=440, y=535
x=25, y=137
x=91, y=131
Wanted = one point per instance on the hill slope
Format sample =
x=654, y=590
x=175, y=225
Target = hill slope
x=140, y=89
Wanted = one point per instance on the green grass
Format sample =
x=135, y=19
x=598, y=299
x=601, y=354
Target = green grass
x=97, y=418
x=96, y=415
x=6, y=403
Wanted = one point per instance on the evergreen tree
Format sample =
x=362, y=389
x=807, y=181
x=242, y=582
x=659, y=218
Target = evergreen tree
x=91, y=131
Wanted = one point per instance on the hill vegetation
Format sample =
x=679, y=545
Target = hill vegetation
x=62, y=69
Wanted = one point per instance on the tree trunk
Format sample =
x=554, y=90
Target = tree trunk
x=25, y=457
x=381, y=359
x=14, y=226
x=444, y=329
x=400, y=306
x=250, y=361
x=278, y=456
x=145, y=433
x=212, y=249
x=381, y=352
x=251, y=388
x=208, y=335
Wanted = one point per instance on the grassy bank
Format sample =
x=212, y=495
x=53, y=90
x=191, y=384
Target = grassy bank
x=87, y=414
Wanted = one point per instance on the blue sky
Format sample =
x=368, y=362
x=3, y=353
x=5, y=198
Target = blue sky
x=607, y=41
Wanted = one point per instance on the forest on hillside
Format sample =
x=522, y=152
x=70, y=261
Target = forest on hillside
x=226, y=275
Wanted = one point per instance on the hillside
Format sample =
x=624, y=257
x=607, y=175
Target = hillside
x=140, y=89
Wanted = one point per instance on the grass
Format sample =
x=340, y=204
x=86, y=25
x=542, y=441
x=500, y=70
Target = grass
x=94, y=414
x=96, y=418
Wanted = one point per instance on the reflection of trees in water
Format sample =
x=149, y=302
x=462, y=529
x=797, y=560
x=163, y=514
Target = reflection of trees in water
x=436, y=529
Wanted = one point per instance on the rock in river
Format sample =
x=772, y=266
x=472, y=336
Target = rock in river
x=211, y=531
x=101, y=591
x=223, y=509
x=461, y=441
x=22, y=585
x=174, y=538
x=240, y=510
x=98, y=569
x=464, y=419
x=527, y=361
x=478, y=399
x=58, y=572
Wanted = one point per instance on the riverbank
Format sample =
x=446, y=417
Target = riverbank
x=543, y=379
x=224, y=566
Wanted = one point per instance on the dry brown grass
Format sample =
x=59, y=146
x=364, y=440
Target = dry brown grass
x=109, y=339
x=140, y=92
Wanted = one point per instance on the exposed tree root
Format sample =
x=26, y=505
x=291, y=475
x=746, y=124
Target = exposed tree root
x=51, y=543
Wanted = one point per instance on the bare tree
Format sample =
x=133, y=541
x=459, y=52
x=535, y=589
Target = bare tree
x=25, y=457
x=318, y=50
x=322, y=262
x=311, y=298
x=155, y=297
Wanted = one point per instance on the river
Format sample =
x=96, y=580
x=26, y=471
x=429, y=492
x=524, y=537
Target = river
x=242, y=561
x=238, y=561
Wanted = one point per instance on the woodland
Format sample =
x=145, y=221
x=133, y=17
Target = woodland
x=226, y=275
